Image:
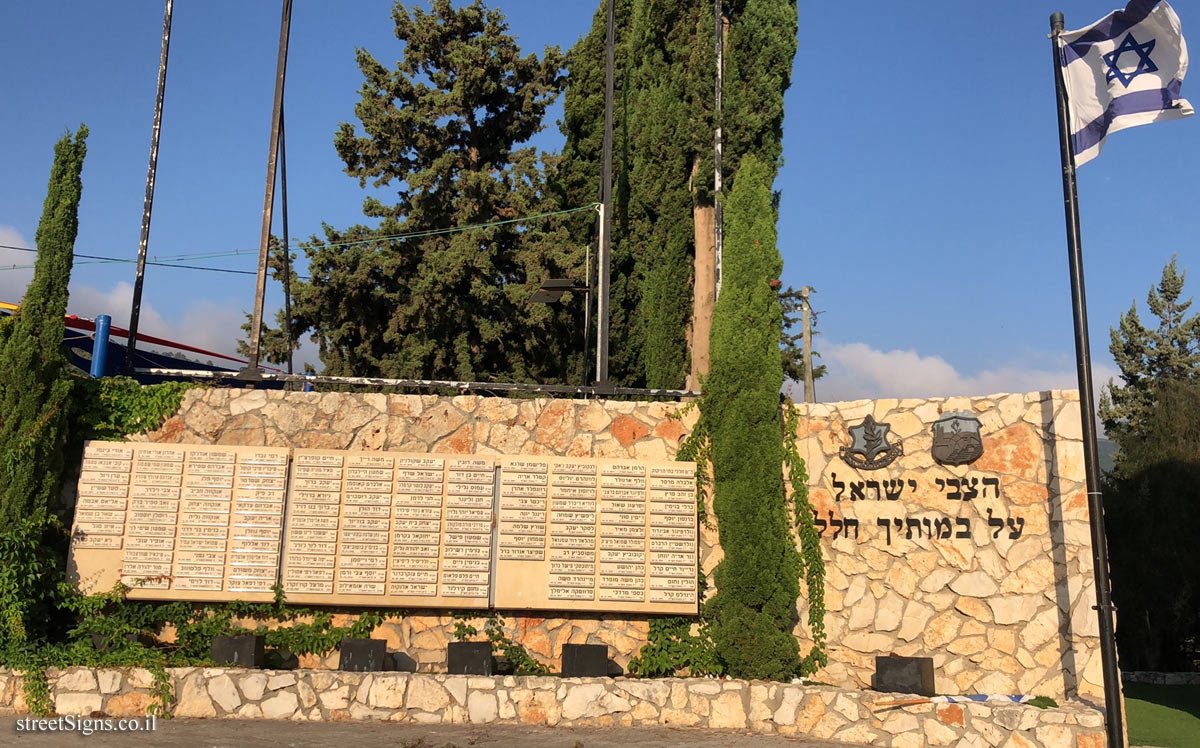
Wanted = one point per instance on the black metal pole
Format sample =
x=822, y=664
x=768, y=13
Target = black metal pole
x=287, y=257
x=251, y=370
x=135, y=311
x=1108, y=646
x=604, y=270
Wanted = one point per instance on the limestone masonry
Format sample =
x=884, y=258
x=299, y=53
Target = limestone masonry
x=984, y=567
x=759, y=707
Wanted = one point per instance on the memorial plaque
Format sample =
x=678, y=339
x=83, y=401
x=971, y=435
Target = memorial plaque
x=576, y=534
x=369, y=528
x=187, y=522
x=170, y=508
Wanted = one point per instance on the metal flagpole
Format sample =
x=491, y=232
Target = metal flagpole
x=604, y=268
x=1108, y=647
x=135, y=311
x=251, y=370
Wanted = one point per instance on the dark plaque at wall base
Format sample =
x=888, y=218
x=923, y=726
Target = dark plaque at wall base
x=584, y=660
x=362, y=655
x=245, y=650
x=469, y=658
x=904, y=675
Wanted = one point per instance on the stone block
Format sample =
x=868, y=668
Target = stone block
x=362, y=655
x=245, y=650
x=469, y=658
x=904, y=675
x=584, y=660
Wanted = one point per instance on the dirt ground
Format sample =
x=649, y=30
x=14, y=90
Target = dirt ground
x=201, y=733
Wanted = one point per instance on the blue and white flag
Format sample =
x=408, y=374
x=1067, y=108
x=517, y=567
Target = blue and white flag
x=1122, y=71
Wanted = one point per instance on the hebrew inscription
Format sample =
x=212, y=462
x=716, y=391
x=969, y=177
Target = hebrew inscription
x=178, y=522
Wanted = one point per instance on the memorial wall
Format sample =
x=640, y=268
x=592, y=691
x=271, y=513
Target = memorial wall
x=984, y=565
x=387, y=529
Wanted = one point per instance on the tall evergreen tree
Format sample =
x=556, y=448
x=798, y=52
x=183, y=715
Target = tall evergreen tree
x=1149, y=358
x=445, y=126
x=577, y=179
x=35, y=387
x=672, y=64
x=752, y=611
x=664, y=123
x=1156, y=563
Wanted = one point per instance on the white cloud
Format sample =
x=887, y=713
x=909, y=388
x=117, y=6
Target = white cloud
x=856, y=371
x=13, y=282
x=200, y=323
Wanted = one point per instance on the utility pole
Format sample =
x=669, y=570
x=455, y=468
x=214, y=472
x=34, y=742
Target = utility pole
x=251, y=371
x=135, y=311
x=810, y=395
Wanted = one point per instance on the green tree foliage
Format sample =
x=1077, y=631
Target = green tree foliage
x=35, y=387
x=791, y=342
x=577, y=179
x=1150, y=499
x=1149, y=358
x=444, y=127
x=753, y=609
x=758, y=69
x=663, y=138
x=670, y=93
x=1152, y=512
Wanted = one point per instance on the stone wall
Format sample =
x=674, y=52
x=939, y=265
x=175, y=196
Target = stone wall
x=998, y=613
x=758, y=707
x=1006, y=607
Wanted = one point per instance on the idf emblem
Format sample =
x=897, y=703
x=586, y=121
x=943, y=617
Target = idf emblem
x=870, y=449
x=956, y=439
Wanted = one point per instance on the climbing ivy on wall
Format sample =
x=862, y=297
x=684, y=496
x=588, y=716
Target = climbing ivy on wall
x=812, y=563
x=748, y=443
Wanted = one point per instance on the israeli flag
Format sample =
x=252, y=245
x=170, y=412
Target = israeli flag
x=1122, y=71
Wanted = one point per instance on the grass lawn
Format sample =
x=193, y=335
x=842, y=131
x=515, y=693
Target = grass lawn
x=1166, y=716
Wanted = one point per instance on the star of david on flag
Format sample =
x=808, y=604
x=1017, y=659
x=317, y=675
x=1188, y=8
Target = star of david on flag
x=1123, y=71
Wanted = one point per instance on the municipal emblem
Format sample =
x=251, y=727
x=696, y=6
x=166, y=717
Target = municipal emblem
x=956, y=439
x=869, y=449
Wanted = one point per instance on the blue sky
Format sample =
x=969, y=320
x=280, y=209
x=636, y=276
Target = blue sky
x=921, y=190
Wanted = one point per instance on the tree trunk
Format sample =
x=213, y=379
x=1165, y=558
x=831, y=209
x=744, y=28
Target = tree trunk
x=703, y=294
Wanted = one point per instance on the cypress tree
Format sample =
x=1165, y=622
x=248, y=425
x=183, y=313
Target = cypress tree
x=752, y=611
x=672, y=63
x=663, y=131
x=35, y=386
x=577, y=180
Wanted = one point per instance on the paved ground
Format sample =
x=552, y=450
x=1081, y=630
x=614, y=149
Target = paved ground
x=200, y=733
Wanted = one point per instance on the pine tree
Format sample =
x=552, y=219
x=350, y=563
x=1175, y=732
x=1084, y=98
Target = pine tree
x=756, y=582
x=35, y=386
x=445, y=127
x=1149, y=358
x=791, y=342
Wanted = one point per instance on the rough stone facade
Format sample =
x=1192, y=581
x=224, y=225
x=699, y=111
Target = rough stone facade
x=758, y=707
x=1001, y=597
x=1004, y=609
